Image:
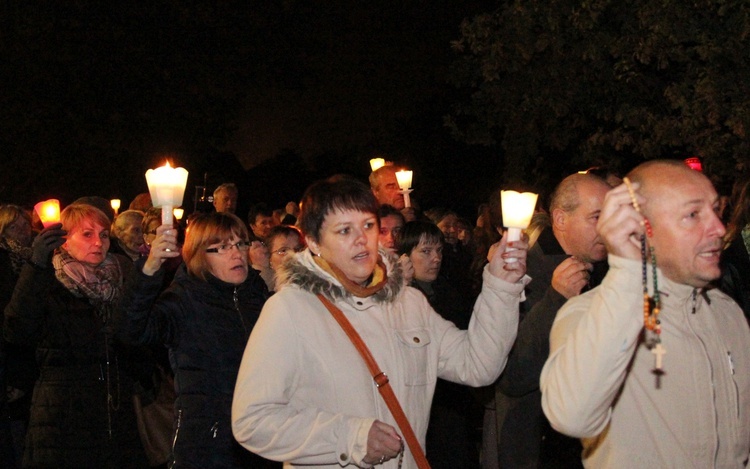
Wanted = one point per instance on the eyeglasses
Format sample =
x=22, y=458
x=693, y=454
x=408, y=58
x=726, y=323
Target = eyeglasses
x=284, y=251
x=242, y=246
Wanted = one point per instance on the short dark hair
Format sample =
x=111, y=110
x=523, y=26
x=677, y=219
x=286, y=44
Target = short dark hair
x=436, y=214
x=386, y=210
x=323, y=197
x=414, y=232
x=258, y=209
x=282, y=230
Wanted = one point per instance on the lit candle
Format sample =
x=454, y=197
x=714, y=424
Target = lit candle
x=115, y=203
x=377, y=163
x=48, y=211
x=178, y=213
x=404, y=178
x=518, y=208
x=167, y=187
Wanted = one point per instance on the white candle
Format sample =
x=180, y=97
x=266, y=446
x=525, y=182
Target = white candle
x=115, y=203
x=377, y=163
x=518, y=208
x=167, y=187
x=404, y=177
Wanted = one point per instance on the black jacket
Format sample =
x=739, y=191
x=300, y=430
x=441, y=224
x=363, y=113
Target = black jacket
x=525, y=437
x=206, y=325
x=735, y=278
x=72, y=424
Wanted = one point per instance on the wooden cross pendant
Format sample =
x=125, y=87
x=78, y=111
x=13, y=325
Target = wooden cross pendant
x=659, y=352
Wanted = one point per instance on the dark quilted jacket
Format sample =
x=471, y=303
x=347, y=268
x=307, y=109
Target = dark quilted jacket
x=206, y=325
x=70, y=423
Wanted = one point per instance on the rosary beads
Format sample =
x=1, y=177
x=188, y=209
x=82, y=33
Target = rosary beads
x=651, y=304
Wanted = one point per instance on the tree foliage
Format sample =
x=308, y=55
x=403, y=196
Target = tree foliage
x=615, y=81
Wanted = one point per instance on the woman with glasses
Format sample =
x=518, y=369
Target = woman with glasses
x=204, y=317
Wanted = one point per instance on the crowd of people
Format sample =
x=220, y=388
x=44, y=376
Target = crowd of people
x=351, y=330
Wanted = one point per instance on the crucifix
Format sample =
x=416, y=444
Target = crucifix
x=658, y=352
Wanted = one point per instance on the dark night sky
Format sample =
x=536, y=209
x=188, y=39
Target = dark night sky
x=93, y=94
x=363, y=68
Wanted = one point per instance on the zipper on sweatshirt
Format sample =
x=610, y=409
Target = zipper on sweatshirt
x=174, y=438
x=236, y=299
x=695, y=299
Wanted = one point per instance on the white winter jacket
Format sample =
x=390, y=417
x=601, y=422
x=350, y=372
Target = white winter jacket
x=304, y=394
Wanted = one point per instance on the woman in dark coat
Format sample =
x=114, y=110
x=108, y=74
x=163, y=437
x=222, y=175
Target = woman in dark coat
x=205, y=318
x=18, y=370
x=81, y=410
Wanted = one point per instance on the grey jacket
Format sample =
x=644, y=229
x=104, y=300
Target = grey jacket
x=598, y=382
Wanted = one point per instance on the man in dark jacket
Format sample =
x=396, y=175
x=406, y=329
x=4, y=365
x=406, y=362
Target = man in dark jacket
x=568, y=258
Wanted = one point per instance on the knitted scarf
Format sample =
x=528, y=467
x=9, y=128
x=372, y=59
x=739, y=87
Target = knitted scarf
x=101, y=284
x=18, y=254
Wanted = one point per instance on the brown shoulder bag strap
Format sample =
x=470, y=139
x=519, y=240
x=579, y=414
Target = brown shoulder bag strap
x=381, y=382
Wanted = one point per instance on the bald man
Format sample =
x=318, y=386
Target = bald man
x=631, y=405
x=568, y=257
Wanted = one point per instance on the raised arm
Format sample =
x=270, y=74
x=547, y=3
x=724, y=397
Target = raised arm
x=143, y=318
x=595, y=335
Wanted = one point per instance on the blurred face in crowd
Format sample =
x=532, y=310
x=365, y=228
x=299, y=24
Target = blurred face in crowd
x=19, y=231
x=283, y=247
x=448, y=225
x=150, y=234
x=387, y=190
x=231, y=265
x=129, y=231
x=576, y=229
x=463, y=233
x=262, y=225
x=348, y=239
x=427, y=258
x=226, y=201
x=682, y=207
x=258, y=254
x=88, y=242
x=390, y=227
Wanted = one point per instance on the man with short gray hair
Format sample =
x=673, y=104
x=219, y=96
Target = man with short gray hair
x=225, y=197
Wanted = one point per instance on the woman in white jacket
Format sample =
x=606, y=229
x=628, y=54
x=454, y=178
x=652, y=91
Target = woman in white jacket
x=305, y=396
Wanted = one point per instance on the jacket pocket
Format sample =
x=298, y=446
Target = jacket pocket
x=416, y=357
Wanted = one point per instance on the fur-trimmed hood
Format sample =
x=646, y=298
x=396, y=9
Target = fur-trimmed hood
x=301, y=270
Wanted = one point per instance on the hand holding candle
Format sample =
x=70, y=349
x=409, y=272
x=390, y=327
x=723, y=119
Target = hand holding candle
x=518, y=208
